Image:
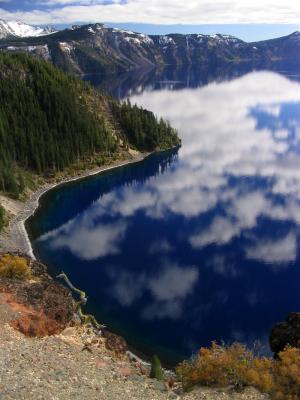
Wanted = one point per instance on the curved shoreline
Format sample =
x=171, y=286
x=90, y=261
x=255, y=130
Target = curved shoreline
x=18, y=234
x=16, y=230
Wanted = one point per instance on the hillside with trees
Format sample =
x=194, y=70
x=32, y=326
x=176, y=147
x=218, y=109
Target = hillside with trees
x=49, y=121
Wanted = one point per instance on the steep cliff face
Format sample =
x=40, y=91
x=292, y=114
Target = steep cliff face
x=96, y=48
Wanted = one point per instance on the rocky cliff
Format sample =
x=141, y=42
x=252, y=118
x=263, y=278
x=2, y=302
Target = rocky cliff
x=96, y=48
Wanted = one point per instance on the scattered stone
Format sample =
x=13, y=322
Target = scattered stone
x=142, y=368
x=124, y=371
x=136, y=378
x=100, y=363
x=114, y=342
x=170, y=383
x=173, y=396
x=87, y=347
x=160, y=385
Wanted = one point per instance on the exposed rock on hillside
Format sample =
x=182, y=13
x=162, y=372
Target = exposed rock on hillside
x=43, y=306
x=96, y=48
x=286, y=333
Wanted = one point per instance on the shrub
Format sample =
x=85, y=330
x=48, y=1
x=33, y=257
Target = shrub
x=287, y=375
x=14, y=267
x=156, y=369
x=235, y=365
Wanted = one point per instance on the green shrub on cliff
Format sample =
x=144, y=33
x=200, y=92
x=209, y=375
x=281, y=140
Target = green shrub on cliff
x=156, y=369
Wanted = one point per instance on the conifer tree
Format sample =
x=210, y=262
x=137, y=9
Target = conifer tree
x=156, y=369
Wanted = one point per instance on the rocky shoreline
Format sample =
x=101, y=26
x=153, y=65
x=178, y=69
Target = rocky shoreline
x=15, y=237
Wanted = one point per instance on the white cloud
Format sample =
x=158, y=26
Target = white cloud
x=86, y=238
x=221, y=231
x=161, y=246
x=165, y=12
x=228, y=143
x=168, y=288
x=277, y=251
x=173, y=282
x=90, y=243
x=128, y=287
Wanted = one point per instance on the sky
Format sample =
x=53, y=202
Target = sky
x=272, y=18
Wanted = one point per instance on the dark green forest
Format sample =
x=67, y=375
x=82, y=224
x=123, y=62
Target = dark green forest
x=142, y=129
x=49, y=121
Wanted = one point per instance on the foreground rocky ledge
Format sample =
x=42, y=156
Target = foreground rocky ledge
x=60, y=367
x=45, y=353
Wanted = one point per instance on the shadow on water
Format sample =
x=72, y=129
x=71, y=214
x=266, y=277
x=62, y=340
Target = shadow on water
x=179, y=77
x=60, y=201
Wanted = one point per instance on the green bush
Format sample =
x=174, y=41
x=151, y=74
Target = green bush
x=156, y=369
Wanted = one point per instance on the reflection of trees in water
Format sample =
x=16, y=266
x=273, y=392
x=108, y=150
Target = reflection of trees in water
x=183, y=76
x=65, y=202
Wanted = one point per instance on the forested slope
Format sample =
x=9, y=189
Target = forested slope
x=49, y=120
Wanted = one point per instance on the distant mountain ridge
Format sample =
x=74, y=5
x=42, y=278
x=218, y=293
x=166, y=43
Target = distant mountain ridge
x=95, y=48
x=13, y=29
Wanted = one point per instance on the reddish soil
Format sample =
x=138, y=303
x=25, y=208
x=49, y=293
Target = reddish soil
x=37, y=314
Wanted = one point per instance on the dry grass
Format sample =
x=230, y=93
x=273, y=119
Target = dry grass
x=14, y=267
x=237, y=366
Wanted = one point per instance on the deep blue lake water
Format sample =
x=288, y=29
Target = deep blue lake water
x=197, y=245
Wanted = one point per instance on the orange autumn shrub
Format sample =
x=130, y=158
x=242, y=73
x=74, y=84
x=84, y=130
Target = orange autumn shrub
x=14, y=267
x=224, y=366
x=287, y=375
x=236, y=366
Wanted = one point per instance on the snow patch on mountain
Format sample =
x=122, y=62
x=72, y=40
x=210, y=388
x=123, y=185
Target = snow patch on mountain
x=165, y=40
x=133, y=37
x=19, y=29
x=66, y=47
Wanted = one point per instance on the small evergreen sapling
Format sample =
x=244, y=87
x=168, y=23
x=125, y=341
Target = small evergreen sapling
x=156, y=369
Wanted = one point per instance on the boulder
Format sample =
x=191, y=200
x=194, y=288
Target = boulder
x=114, y=342
x=286, y=333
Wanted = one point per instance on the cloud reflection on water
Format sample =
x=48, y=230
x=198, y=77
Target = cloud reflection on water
x=237, y=130
x=87, y=239
x=185, y=247
x=233, y=130
x=168, y=289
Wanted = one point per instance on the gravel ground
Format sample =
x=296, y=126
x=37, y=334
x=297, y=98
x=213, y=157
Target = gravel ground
x=76, y=365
